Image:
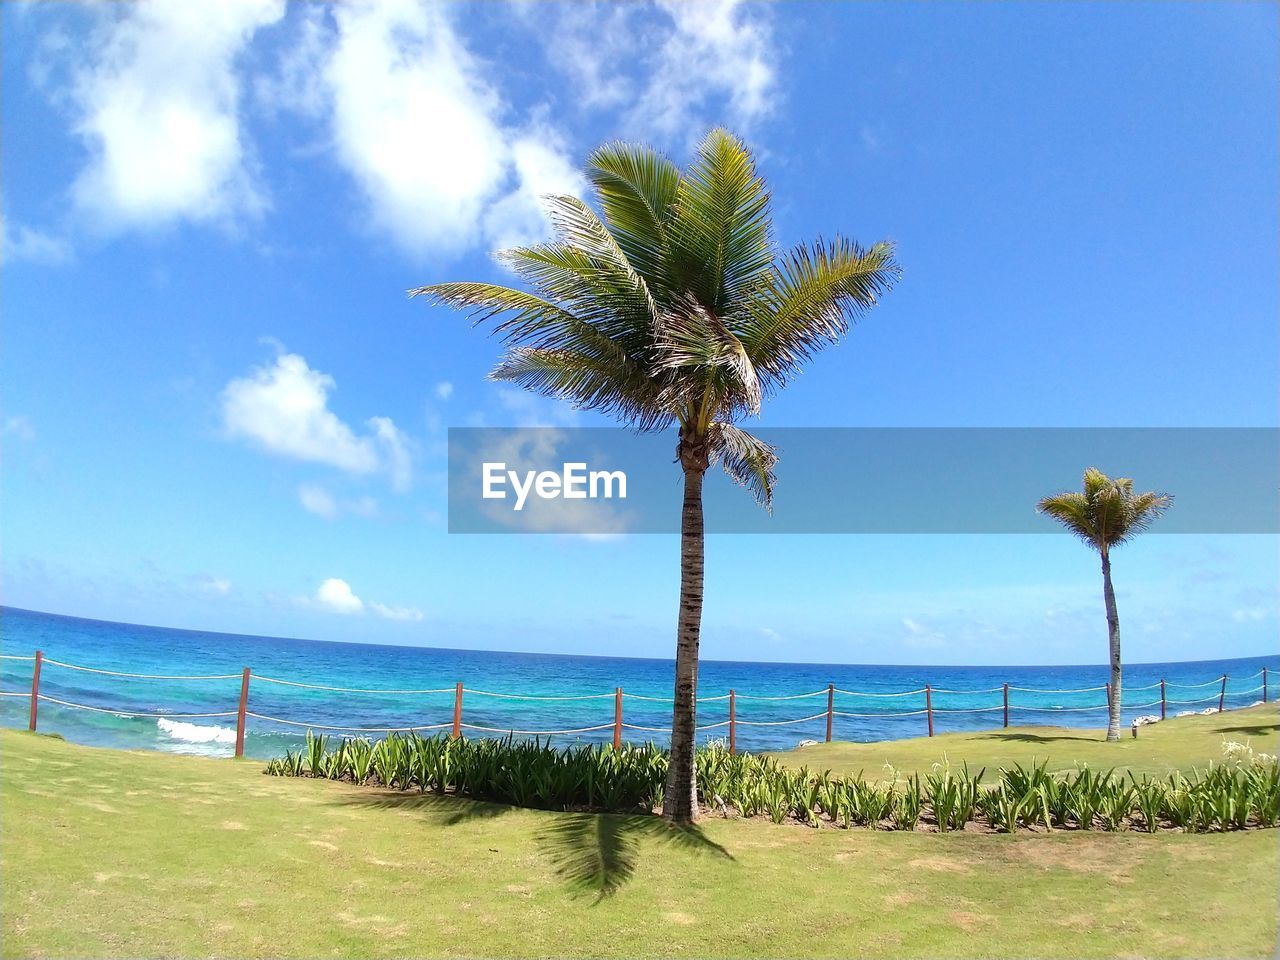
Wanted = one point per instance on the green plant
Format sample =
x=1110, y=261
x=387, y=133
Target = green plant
x=534, y=773
x=672, y=307
x=907, y=804
x=1104, y=515
x=954, y=798
x=1150, y=797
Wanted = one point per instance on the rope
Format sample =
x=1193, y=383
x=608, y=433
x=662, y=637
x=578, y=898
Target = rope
x=794, y=696
x=1141, y=706
x=138, y=676
x=990, y=690
x=10, y=656
x=912, y=713
x=1014, y=706
x=315, y=686
x=1193, y=686
x=1149, y=686
x=1197, y=700
x=637, y=696
x=1042, y=690
x=521, y=696
x=322, y=726
x=146, y=716
x=968, y=710
x=712, y=726
x=632, y=726
x=4, y=693
x=779, y=723
x=534, y=733
x=1241, y=693
x=855, y=693
x=1259, y=673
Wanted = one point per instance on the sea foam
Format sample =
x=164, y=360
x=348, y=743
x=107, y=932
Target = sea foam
x=194, y=732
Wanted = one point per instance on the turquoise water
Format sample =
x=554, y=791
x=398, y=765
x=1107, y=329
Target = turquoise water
x=973, y=693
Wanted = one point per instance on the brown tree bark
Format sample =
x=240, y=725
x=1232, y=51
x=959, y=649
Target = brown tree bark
x=680, y=802
x=1113, y=637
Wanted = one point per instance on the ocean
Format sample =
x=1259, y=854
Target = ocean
x=776, y=705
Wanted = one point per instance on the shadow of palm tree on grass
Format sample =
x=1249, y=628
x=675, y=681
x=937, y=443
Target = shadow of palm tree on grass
x=597, y=853
x=1042, y=739
x=455, y=810
x=594, y=853
x=1252, y=730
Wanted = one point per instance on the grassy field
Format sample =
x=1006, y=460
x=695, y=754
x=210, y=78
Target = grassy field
x=1178, y=743
x=109, y=853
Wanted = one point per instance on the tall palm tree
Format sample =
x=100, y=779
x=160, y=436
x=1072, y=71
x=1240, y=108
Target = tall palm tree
x=673, y=307
x=1107, y=514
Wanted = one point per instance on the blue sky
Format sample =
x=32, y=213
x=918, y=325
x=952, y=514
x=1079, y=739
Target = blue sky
x=220, y=410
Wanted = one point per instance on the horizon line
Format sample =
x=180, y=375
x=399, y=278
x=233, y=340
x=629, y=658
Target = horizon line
x=5, y=608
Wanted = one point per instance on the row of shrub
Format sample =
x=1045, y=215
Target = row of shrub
x=1231, y=796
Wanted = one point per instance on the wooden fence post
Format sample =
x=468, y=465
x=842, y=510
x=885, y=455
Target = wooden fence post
x=928, y=706
x=617, y=719
x=35, y=689
x=831, y=708
x=1222, y=695
x=457, y=711
x=1006, y=706
x=240, y=712
x=733, y=743
x=1162, y=699
x=1264, y=684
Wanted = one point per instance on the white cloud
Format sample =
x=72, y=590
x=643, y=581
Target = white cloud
x=444, y=390
x=157, y=103
x=524, y=409
x=318, y=500
x=22, y=243
x=19, y=427
x=336, y=595
x=283, y=408
x=396, y=613
x=414, y=119
x=708, y=62
x=590, y=41
x=541, y=167
x=921, y=636
x=1250, y=614
x=718, y=49
x=214, y=586
x=399, y=462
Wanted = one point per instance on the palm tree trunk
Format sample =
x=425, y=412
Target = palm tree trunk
x=1113, y=636
x=680, y=803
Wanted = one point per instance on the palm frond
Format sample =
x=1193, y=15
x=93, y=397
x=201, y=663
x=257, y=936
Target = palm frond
x=1073, y=511
x=671, y=304
x=586, y=381
x=1107, y=512
x=692, y=342
x=720, y=240
x=637, y=187
x=747, y=459
x=809, y=301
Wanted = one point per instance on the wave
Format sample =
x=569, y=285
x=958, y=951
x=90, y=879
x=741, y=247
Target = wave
x=194, y=732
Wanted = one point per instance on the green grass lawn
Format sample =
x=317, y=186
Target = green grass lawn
x=1177, y=743
x=128, y=854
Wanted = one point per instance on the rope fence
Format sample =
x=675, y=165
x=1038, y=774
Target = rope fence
x=618, y=724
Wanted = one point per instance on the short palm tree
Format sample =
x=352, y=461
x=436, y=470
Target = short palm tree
x=673, y=307
x=1107, y=514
